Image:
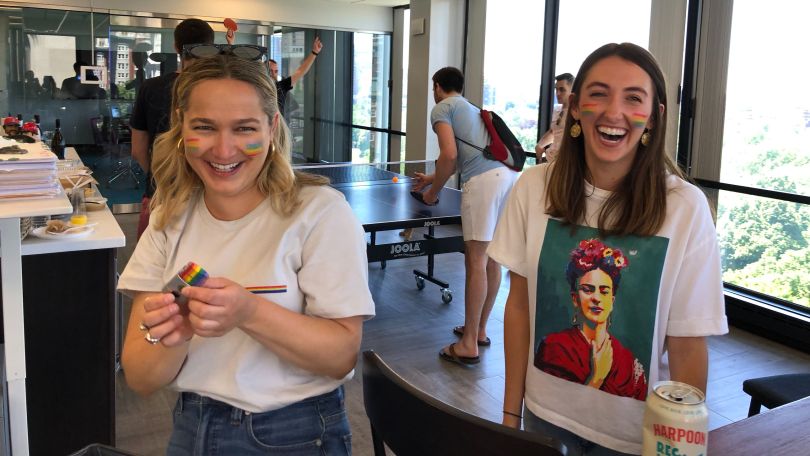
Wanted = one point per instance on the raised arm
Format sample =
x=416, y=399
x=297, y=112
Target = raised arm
x=308, y=61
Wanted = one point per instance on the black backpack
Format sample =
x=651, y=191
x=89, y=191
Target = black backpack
x=504, y=147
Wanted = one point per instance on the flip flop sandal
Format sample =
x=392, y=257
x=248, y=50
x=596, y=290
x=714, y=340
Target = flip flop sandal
x=459, y=331
x=454, y=358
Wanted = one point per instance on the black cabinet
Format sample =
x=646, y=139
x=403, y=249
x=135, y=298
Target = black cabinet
x=69, y=349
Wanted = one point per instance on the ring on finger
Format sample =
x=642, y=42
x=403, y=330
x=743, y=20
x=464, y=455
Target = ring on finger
x=143, y=327
x=152, y=340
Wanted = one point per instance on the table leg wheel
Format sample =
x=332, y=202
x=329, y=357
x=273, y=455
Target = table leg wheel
x=420, y=282
x=447, y=295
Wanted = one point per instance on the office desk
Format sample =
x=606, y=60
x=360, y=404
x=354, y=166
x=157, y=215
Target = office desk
x=781, y=431
x=58, y=326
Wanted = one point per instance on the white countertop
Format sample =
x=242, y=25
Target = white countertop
x=33, y=207
x=106, y=235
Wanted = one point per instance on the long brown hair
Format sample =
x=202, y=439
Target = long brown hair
x=639, y=203
x=176, y=181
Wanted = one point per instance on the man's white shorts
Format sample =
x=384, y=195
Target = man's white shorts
x=482, y=198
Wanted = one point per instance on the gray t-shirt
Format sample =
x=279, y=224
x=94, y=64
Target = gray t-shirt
x=465, y=119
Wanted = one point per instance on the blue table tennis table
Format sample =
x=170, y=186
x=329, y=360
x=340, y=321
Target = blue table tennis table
x=384, y=205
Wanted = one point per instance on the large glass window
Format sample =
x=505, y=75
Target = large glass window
x=370, y=96
x=512, y=64
x=766, y=144
x=585, y=25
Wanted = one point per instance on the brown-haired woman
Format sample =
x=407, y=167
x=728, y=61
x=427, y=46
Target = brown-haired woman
x=612, y=178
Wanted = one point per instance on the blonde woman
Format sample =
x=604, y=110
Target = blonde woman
x=264, y=344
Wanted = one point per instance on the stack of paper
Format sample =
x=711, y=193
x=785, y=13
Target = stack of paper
x=27, y=171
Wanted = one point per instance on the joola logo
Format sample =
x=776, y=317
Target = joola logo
x=433, y=223
x=406, y=247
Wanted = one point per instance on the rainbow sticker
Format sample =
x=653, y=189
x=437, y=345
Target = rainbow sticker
x=267, y=289
x=193, y=274
x=192, y=144
x=253, y=149
x=587, y=109
x=638, y=119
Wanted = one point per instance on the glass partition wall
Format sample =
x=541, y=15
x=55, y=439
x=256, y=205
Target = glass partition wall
x=333, y=111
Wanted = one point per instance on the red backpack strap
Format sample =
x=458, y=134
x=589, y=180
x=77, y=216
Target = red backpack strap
x=496, y=147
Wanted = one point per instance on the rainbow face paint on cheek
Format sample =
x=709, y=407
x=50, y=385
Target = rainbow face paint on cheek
x=588, y=109
x=638, y=119
x=253, y=149
x=192, y=145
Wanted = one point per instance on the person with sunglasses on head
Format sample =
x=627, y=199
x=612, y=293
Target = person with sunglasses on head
x=611, y=211
x=150, y=114
x=258, y=350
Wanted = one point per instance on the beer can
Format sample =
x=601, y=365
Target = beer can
x=676, y=421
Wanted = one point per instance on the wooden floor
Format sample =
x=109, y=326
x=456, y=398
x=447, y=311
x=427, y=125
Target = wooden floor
x=410, y=328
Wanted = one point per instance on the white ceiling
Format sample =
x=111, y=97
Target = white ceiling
x=389, y=3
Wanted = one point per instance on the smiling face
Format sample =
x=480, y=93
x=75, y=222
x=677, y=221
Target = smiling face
x=227, y=136
x=594, y=296
x=614, y=106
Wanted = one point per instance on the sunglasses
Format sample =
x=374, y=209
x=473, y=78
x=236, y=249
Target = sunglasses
x=243, y=51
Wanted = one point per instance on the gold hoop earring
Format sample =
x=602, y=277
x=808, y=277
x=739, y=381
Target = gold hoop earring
x=645, y=138
x=179, y=141
x=576, y=130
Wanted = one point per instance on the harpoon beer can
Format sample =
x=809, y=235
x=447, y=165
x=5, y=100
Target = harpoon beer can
x=676, y=421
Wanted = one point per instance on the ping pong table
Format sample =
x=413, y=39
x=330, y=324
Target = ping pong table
x=381, y=204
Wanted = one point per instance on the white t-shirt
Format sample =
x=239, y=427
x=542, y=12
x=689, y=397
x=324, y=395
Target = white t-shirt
x=557, y=130
x=670, y=284
x=313, y=262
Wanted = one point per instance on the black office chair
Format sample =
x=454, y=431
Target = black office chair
x=411, y=422
x=776, y=390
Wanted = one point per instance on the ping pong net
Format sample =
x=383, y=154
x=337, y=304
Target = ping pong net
x=351, y=173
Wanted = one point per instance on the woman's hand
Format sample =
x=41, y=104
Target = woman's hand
x=420, y=181
x=218, y=306
x=163, y=318
x=601, y=361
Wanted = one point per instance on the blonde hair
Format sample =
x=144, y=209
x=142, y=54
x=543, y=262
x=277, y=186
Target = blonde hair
x=639, y=203
x=176, y=181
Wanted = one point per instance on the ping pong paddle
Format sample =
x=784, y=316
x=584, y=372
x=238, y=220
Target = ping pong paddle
x=230, y=24
x=418, y=196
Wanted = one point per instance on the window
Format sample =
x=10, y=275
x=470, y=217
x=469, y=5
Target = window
x=512, y=65
x=766, y=144
x=372, y=56
x=585, y=25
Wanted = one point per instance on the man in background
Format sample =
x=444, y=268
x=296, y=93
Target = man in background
x=151, y=113
x=285, y=85
x=485, y=185
x=550, y=142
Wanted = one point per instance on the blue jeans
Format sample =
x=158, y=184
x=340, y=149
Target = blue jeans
x=314, y=426
x=577, y=446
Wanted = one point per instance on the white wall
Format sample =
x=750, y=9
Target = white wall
x=310, y=13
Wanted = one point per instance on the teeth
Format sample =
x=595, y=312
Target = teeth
x=227, y=167
x=612, y=131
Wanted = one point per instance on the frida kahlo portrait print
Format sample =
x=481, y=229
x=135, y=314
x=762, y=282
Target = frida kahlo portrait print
x=586, y=349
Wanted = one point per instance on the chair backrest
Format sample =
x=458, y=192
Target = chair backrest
x=411, y=422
